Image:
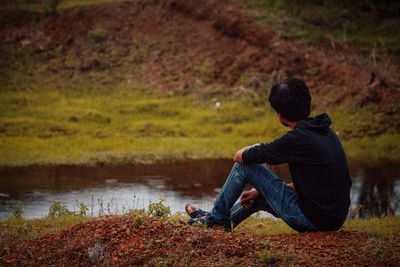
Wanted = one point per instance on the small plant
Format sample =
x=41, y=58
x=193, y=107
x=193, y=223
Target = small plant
x=17, y=211
x=83, y=209
x=98, y=34
x=139, y=221
x=268, y=257
x=265, y=245
x=159, y=210
x=58, y=209
x=51, y=6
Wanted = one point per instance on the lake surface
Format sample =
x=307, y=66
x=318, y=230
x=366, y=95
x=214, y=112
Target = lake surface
x=110, y=189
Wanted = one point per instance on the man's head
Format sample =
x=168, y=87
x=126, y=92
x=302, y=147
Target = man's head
x=291, y=99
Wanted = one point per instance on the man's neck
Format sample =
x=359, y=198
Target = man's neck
x=291, y=124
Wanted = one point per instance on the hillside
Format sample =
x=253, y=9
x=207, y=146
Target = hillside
x=184, y=46
x=154, y=80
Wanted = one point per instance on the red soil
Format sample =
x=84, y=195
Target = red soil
x=184, y=45
x=122, y=241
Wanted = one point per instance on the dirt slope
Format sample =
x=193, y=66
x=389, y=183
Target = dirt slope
x=138, y=241
x=187, y=46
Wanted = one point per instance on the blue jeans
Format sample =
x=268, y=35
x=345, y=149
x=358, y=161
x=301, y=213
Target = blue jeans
x=278, y=199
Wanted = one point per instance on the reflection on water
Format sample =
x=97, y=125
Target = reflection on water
x=108, y=189
x=376, y=190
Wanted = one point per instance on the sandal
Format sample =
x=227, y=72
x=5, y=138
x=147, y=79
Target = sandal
x=195, y=212
x=200, y=220
x=206, y=222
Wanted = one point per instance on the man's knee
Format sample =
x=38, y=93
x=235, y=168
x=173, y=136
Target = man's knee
x=244, y=171
x=248, y=169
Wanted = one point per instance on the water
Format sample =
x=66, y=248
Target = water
x=110, y=189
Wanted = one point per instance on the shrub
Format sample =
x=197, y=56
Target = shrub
x=58, y=209
x=159, y=210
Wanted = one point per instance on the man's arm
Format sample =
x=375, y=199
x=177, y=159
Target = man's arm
x=238, y=156
x=281, y=150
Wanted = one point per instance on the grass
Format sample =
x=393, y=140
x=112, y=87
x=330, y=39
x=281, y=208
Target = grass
x=342, y=22
x=101, y=116
x=40, y=5
x=56, y=128
x=78, y=125
x=387, y=226
x=65, y=127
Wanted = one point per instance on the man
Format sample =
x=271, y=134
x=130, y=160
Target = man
x=319, y=197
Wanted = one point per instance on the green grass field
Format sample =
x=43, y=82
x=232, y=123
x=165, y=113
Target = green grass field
x=77, y=125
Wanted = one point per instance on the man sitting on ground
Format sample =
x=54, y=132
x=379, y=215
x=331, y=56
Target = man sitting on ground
x=319, y=197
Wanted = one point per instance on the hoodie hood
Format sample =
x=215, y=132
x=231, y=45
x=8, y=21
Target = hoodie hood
x=319, y=123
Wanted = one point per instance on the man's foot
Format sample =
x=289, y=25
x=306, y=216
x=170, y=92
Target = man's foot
x=205, y=221
x=194, y=212
x=202, y=221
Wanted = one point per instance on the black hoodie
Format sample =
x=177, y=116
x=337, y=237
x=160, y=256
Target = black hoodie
x=318, y=166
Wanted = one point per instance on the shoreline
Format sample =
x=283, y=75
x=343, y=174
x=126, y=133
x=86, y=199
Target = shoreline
x=119, y=159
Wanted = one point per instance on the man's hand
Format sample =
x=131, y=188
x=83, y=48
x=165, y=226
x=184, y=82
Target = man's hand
x=291, y=186
x=247, y=198
x=238, y=156
x=272, y=167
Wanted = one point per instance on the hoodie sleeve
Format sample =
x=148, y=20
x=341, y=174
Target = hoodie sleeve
x=281, y=150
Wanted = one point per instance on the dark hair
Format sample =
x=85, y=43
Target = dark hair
x=291, y=98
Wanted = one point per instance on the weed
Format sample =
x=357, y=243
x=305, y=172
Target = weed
x=266, y=245
x=98, y=34
x=17, y=211
x=83, y=209
x=139, y=221
x=58, y=209
x=159, y=210
x=268, y=257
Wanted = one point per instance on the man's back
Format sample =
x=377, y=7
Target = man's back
x=318, y=166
